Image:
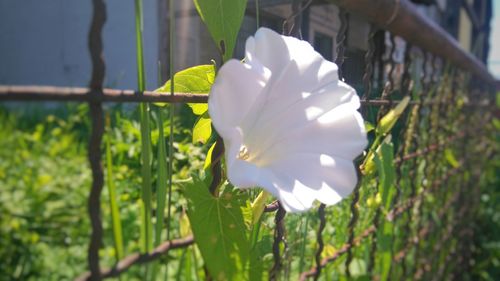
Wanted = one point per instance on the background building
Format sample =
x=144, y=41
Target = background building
x=41, y=42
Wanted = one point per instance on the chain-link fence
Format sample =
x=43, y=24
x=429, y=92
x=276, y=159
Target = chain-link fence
x=440, y=146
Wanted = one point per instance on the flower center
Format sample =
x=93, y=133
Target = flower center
x=244, y=154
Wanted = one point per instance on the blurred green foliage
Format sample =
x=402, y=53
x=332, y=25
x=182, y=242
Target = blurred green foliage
x=45, y=180
x=43, y=173
x=486, y=244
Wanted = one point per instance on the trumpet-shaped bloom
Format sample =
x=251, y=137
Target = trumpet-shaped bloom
x=289, y=124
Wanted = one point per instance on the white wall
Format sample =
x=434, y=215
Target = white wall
x=494, y=55
x=44, y=42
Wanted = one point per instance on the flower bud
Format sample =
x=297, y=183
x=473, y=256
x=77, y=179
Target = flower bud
x=375, y=201
x=368, y=166
x=388, y=121
x=258, y=206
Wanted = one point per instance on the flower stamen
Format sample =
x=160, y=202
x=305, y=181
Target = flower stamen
x=244, y=154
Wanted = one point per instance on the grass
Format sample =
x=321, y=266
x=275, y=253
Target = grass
x=45, y=180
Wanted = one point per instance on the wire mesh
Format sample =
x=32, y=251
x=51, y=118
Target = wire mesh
x=441, y=197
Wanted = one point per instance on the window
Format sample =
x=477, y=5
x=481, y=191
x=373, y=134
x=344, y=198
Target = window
x=323, y=44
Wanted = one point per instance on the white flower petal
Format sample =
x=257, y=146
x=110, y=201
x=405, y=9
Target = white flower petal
x=300, y=179
x=340, y=133
x=233, y=93
x=244, y=174
x=326, y=122
x=292, y=203
x=311, y=171
x=276, y=52
x=294, y=84
x=269, y=48
x=297, y=71
x=289, y=125
x=324, y=98
x=292, y=194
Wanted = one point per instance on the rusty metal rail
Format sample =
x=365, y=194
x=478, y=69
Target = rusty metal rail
x=96, y=115
x=137, y=258
x=390, y=216
x=434, y=121
x=401, y=18
x=80, y=94
x=50, y=93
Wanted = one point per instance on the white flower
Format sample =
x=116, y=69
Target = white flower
x=289, y=124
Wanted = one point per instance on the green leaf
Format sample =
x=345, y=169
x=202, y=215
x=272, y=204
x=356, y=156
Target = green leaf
x=385, y=240
x=146, y=153
x=208, y=159
x=161, y=182
x=139, y=26
x=219, y=231
x=223, y=19
x=198, y=108
x=258, y=265
x=450, y=157
x=184, y=226
x=384, y=161
x=357, y=267
x=113, y=204
x=389, y=120
x=496, y=123
x=369, y=126
x=195, y=80
x=202, y=129
x=146, y=158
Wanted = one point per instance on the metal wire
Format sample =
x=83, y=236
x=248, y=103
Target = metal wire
x=94, y=151
x=279, y=234
x=319, y=238
x=341, y=39
x=443, y=117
